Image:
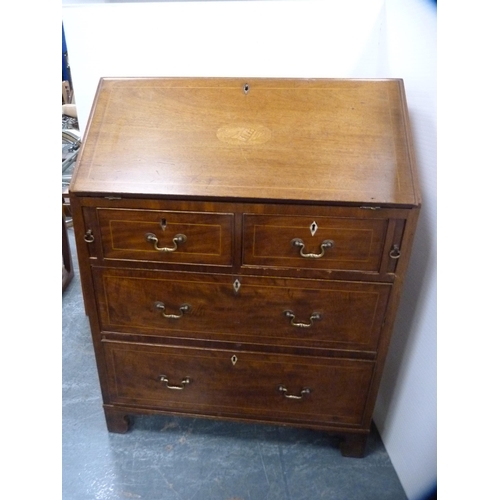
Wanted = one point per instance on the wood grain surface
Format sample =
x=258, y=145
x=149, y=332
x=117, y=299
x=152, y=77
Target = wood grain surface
x=312, y=140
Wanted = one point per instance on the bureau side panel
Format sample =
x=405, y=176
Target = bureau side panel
x=392, y=309
x=83, y=222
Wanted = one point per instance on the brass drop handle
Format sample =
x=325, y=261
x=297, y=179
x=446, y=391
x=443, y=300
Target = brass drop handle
x=178, y=238
x=297, y=242
x=395, y=252
x=298, y=324
x=89, y=237
x=304, y=392
x=184, y=308
x=185, y=381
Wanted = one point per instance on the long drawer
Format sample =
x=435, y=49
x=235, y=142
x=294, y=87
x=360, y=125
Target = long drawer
x=238, y=384
x=273, y=311
x=167, y=236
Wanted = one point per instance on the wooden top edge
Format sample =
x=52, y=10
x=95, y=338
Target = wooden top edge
x=193, y=81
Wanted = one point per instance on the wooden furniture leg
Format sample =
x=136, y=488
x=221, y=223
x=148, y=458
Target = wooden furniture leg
x=116, y=420
x=354, y=445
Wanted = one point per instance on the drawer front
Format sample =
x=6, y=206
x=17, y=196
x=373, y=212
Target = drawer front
x=226, y=383
x=314, y=242
x=280, y=312
x=167, y=236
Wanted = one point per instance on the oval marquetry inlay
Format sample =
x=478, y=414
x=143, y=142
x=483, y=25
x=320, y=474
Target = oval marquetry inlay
x=243, y=134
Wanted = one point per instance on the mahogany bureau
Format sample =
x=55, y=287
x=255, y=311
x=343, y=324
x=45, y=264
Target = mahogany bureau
x=242, y=246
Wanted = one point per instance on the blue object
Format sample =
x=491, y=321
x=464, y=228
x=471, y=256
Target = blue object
x=65, y=66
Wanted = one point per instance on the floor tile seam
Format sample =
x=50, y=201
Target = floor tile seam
x=283, y=471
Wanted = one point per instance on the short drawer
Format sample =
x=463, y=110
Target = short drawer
x=337, y=243
x=167, y=236
x=239, y=383
x=274, y=311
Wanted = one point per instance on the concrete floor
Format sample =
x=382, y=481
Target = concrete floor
x=196, y=459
